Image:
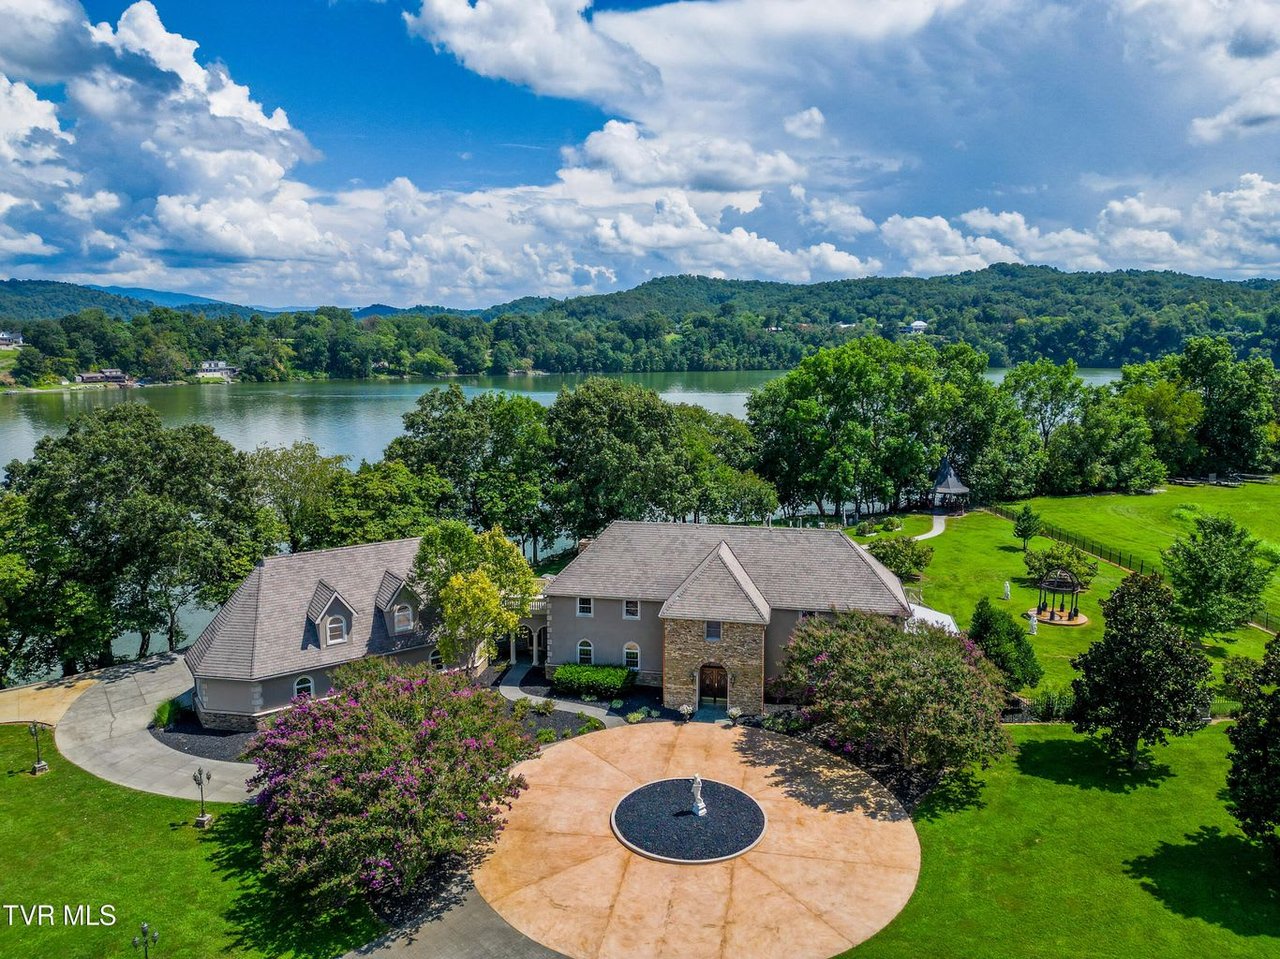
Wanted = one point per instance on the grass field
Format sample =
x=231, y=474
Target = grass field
x=1059, y=857
x=1147, y=525
x=71, y=838
x=913, y=524
x=978, y=553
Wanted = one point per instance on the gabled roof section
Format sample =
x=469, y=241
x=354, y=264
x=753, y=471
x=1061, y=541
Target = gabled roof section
x=796, y=569
x=389, y=589
x=322, y=599
x=269, y=625
x=718, y=589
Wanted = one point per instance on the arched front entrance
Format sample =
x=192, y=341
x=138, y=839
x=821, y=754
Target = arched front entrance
x=713, y=685
x=540, y=647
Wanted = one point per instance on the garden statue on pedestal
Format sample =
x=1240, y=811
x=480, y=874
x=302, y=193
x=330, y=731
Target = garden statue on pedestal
x=699, y=807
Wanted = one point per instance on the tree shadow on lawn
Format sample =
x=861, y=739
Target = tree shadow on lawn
x=1084, y=763
x=1217, y=877
x=269, y=919
x=955, y=792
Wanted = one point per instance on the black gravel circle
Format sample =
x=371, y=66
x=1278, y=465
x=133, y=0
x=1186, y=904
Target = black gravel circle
x=657, y=820
x=188, y=736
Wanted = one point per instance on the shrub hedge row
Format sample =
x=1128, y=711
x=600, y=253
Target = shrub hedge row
x=607, y=682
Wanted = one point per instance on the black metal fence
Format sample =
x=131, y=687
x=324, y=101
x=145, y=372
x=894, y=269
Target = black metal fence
x=1266, y=619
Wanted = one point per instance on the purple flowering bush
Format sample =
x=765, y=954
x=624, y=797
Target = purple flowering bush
x=401, y=767
x=925, y=697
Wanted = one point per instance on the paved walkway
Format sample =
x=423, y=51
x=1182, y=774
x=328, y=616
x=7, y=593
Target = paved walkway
x=104, y=731
x=510, y=689
x=838, y=860
x=938, y=528
x=42, y=702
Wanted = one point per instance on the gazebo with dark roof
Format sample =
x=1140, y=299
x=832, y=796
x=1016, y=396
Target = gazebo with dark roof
x=947, y=488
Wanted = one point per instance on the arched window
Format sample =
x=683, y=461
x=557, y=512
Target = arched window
x=435, y=660
x=403, y=618
x=586, y=655
x=303, y=686
x=335, y=631
x=631, y=656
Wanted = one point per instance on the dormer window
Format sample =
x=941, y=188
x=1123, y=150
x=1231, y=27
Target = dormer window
x=335, y=631
x=402, y=617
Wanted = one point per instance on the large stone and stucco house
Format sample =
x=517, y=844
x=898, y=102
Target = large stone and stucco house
x=701, y=611
x=705, y=611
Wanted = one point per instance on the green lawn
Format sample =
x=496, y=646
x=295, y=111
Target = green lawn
x=1059, y=857
x=978, y=553
x=1145, y=525
x=69, y=837
x=913, y=524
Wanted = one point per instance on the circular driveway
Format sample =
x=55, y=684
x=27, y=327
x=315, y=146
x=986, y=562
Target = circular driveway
x=838, y=860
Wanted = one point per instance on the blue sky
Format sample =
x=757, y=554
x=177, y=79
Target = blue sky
x=447, y=151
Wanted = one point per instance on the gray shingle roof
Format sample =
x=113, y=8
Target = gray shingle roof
x=791, y=568
x=718, y=589
x=946, y=481
x=388, y=590
x=267, y=629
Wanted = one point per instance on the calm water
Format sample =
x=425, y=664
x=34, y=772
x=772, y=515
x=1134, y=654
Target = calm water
x=355, y=419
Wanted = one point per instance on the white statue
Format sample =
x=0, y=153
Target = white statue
x=1034, y=622
x=1006, y=590
x=699, y=807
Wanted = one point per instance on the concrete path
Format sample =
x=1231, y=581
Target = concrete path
x=510, y=689
x=938, y=528
x=105, y=732
x=42, y=702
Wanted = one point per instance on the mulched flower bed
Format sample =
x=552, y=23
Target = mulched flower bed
x=557, y=721
x=535, y=683
x=658, y=820
x=188, y=736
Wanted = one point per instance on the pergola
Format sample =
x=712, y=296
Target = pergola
x=1059, y=597
x=947, y=488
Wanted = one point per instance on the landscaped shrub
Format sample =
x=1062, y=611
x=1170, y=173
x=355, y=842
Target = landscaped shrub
x=636, y=717
x=366, y=791
x=1004, y=641
x=601, y=681
x=890, y=524
x=167, y=713
x=546, y=736
x=589, y=697
x=904, y=555
x=544, y=707
x=520, y=709
x=865, y=528
x=616, y=703
x=1052, y=704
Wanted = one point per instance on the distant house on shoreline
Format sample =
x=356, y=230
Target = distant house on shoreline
x=108, y=375
x=218, y=368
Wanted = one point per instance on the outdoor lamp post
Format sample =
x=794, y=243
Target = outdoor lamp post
x=146, y=940
x=41, y=766
x=200, y=777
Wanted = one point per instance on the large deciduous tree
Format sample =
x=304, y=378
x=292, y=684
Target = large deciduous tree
x=481, y=584
x=381, y=501
x=493, y=448
x=616, y=455
x=366, y=792
x=923, y=696
x=1218, y=573
x=1253, y=781
x=1047, y=394
x=1143, y=681
x=298, y=483
x=140, y=520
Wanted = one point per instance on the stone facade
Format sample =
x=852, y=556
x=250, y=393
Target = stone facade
x=740, y=650
x=234, y=722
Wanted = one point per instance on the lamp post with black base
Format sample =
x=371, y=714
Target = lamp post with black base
x=145, y=941
x=200, y=777
x=41, y=767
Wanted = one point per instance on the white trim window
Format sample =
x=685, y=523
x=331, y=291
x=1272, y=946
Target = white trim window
x=586, y=606
x=303, y=686
x=335, y=631
x=586, y=653
x=435, y=660
x=631, y=656
x=631, y=609
x=711, y=633
x=402, y=618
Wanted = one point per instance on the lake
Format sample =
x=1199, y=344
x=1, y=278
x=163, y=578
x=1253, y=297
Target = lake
x=354, y=418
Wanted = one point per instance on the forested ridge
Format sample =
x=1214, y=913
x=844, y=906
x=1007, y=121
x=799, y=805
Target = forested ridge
x=1012, y=313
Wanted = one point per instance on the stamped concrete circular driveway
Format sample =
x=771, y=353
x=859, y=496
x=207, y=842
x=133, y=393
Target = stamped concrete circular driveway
x=838, y=860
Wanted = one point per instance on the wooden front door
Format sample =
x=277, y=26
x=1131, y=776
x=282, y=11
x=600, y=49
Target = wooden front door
x=713, y=686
